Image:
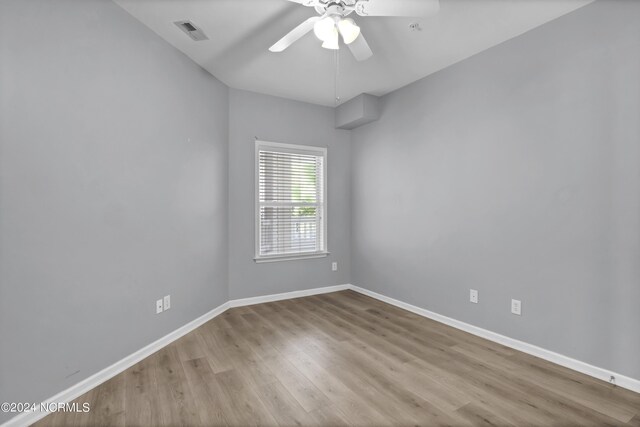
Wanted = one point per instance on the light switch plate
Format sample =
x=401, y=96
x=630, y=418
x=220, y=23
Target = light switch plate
x=159, y=306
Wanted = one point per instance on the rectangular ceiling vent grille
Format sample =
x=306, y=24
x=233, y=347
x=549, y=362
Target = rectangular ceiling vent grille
x=191, y=30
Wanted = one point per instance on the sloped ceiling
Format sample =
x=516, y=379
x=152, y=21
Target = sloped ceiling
x=241, y=31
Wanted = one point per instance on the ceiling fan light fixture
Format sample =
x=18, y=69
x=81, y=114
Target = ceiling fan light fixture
x=349, y=30
x=332, y=41
x=325, y=28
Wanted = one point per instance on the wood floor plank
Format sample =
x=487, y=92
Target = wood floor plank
x=548, y=405
x=480, y=416
x=189, y=347
x=535, y=386
x=286, y=336
x=437, y=393
x=392, y=313
x=417, y=348
x=245, y=404
x=177, y=405
x=244, y=359
x=338, y=330
x=328, y=416
x=234, y=319
x=303, y=390
x=487, y=393
x=207, y=393
x=260, y=340
x=346, y=359
x=110, y=403
x=373, y=383
x=258, y=335
x=218, y=359
x=382, y=389
x=574, y=391
x=141, y=394
x=398, y=353
x=350, y=403
x=423, y=325
x=603, y=389
x=282, y=405
x=394, y=324
x=635, y=421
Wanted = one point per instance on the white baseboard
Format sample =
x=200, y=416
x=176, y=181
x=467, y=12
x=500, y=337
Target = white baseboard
x=286, y=295
x=77, y=390
x=559, y=359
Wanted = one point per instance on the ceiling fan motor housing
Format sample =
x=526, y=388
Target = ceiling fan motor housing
x=332, y=21
x=335, y=8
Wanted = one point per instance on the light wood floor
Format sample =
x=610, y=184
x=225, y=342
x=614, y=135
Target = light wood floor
x=346, y=359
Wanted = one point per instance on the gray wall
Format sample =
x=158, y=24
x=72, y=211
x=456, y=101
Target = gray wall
x=515, y=172
x=113, y=191
x=280, y=120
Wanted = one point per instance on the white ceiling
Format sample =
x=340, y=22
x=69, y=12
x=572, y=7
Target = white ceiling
x=241, y=31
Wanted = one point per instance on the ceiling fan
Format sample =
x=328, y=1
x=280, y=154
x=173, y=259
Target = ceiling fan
x=333, y=21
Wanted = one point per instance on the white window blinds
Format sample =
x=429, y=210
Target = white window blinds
x=290, y=204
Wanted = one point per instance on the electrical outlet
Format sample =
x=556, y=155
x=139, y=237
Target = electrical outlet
x=334, y=266
x=167, y=302
x=516, y=307
x=159, y=306
x=473, y=296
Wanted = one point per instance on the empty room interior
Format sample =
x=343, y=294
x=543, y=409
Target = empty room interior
x=320, y=213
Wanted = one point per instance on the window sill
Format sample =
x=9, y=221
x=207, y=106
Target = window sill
x=291, y=257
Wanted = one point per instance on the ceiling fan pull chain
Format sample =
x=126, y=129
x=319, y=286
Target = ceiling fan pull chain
x=336, y=77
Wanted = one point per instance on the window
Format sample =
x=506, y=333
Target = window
x=291, y=220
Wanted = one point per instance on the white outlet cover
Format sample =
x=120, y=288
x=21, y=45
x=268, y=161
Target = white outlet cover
x=334, y=266
x=159, y=306
x=473, y=296
x=516, y=307
x=167, y=302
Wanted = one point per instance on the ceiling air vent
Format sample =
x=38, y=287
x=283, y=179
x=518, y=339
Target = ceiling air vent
x=191, y=30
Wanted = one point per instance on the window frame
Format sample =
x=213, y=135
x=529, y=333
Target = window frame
x=294, y=149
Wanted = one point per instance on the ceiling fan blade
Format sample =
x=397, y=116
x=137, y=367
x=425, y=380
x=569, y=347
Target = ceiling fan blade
x=360, y=48
x=416, y=8
x=295, y=34
x=305, y=2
